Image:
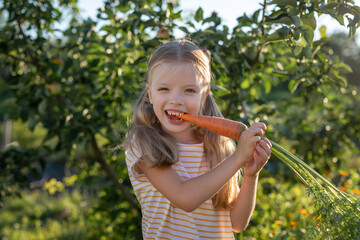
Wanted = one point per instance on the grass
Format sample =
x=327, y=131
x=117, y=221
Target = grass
x=37, y=215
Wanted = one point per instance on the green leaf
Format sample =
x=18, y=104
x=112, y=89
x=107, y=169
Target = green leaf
x=29, y=12
x=322, y=31
x=339, y=18
x=308, y=33
x=32, y=123
x=9, y=107
x=199, y=15
x=219, y=60
x=245, y=83
x=309, y=19
x=273, y=37
x=284, y=20
x=284, y=31
x=292, y=84
x=266, y=82
x=255, y=16
x=342, y=81
x=177, y=15
x=184, y=29
x=284, y=2
x=254, y=92
x=292, y=11
x=328, y=6
x=296, y=20
x=218, y=87
x=42, y=107
x=296, y=50
x=343, y=67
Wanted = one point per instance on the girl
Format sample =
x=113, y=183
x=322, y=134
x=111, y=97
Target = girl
x=186, y=178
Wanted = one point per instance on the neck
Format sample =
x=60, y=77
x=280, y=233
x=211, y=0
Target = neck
x=187, y=138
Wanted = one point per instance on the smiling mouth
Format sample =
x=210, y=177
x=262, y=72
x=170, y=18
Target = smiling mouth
x=173, y=115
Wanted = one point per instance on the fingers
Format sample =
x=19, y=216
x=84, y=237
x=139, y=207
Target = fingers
x=257, y=128
x=260, y=155
x=255, y=139
x=267, y=141
x=251, y=143
x=263, y=150
x=266, y=145
x=259, y=125
x=255, y=132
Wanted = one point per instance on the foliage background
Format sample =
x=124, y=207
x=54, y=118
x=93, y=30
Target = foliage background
x=69, y=95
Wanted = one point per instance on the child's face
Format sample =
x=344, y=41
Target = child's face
x=176, y=88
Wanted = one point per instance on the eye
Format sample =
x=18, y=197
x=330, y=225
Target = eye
x=163, y=89
x=189, y=90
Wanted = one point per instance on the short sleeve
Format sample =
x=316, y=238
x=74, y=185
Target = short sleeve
x=132, y=155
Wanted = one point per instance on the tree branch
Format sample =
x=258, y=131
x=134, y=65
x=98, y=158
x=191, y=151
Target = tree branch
x=262, y=31
x=249, y=59
x=18, y=59
x=33, y=58
x=110, y=173
x=263, y=19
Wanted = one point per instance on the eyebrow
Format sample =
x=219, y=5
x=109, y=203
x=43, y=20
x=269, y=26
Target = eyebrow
x=186, y=86
x=193, y=85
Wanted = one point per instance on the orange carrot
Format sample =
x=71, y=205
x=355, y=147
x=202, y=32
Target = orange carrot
x=221, y=126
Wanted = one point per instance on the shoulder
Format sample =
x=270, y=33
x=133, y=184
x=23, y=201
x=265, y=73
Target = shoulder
x=132, y=153
x=133, y=148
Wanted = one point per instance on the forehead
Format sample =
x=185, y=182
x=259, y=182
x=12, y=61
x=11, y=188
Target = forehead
x=168, y=72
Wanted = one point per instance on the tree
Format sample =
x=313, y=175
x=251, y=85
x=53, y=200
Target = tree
x=348, y=52
x=79, y=84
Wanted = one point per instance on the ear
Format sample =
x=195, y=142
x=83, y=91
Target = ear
x=149, y=93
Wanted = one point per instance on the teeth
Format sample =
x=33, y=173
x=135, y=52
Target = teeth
x=175, y=113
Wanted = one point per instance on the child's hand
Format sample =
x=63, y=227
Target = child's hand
x=260, y=157
x=248, y=141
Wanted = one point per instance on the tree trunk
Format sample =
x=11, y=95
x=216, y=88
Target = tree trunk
x=110, y=173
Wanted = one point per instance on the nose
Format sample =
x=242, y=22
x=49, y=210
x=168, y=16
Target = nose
x=177, y=98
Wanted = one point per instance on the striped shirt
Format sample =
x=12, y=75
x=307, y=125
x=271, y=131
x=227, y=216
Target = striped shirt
x=161, y=219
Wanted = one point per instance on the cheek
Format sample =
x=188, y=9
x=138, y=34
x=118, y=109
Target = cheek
x=158, y=111
x=195, y=104
x=158, y=103
x=159, y=99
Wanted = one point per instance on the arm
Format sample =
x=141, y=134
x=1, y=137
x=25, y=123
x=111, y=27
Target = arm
x=190, y=194
x=244, y=204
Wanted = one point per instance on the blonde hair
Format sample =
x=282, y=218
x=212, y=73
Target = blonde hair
x=158, y=147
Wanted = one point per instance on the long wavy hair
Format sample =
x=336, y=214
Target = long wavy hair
x=158, y=147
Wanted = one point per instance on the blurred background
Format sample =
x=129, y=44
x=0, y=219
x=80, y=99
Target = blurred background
x=70, y=72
